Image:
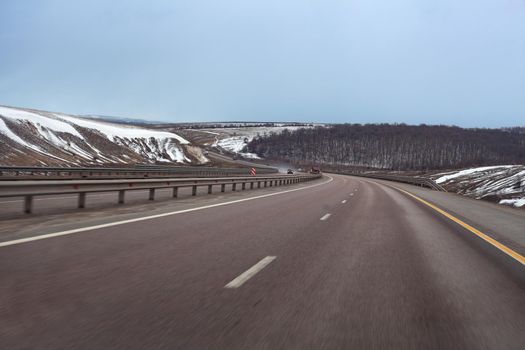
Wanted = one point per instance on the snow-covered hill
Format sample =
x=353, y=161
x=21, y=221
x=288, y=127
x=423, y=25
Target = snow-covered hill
x=502, y=183
x=234, y=140
x=33, y=137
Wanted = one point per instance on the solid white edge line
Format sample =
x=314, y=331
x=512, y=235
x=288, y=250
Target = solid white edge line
x=122, y=222
x=246, y=275
x=325, y=217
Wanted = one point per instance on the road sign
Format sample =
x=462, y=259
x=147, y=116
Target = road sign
x=253, y=171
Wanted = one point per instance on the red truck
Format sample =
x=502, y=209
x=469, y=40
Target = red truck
x=315, y=170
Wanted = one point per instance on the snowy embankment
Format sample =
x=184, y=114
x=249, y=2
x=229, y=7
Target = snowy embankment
x=236, y=144
x=45, y=138
x=502, y=183
x=234, y=140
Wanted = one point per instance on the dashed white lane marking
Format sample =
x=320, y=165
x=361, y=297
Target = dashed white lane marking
x=325, y=217
x=343, y=201
x=150, y=217
x=355, y=189
x=351, y=194
x=246, y=275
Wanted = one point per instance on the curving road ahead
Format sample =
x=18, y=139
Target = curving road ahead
x=346, y=263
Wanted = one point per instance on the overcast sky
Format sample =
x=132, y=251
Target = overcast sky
x=456, y=62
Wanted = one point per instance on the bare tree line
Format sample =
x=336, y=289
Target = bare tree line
x=396, y=147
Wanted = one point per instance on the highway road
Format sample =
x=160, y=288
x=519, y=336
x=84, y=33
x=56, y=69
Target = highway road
x=338, y=263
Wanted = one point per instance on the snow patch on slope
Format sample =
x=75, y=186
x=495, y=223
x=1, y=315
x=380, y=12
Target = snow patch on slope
x=515, y=202
x=59, y=136
x=112, y=131
x=505, y=183
x=4, y=129
x=241, y=136
x=466, y=172
x=43, y=123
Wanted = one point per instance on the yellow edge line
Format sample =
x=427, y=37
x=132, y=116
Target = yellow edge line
x=520, y=258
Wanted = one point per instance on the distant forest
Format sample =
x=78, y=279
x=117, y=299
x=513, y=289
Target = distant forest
x=395, y=147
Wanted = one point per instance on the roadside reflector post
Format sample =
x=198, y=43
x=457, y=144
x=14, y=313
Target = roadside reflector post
x=82, y=200
x=194, y=190
x=210, y=189
x=151, y=194
x=28, y=204
x=175, y=192
x=121, y=196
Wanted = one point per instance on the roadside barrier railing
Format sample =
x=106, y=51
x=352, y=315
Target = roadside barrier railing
x=30, y=189
x=413, y=180
x=16, y=173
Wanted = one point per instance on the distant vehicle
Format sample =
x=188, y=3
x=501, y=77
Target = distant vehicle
x=289, y=172
x=315, y=170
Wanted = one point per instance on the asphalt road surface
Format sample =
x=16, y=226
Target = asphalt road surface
x=343, y=263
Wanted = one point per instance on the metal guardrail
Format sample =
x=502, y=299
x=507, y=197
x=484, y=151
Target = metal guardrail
x=11, y=172
x=413, y=180
x=30, y=189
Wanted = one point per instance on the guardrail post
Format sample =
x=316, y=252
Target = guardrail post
x=175, y=192
x=210, y=189
x=194, y=190
x=234, y=186
x=258, y=184
x=28, y=204
x=151, y=194
x=82, y=200
x=223, y=187
x=121, y=196
x=265, y=184
x=243, y=186
x=251, y=185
